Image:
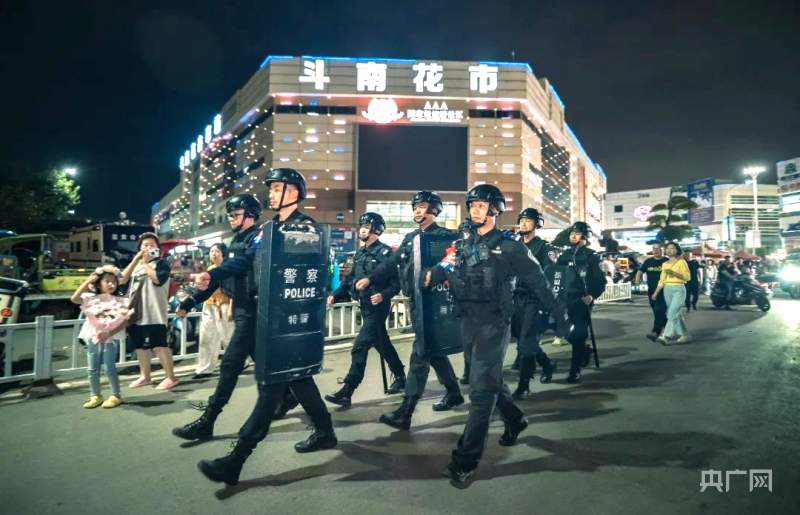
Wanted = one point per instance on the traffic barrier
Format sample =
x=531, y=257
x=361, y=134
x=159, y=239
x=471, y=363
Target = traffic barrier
x=615, y=293
x=343, y=321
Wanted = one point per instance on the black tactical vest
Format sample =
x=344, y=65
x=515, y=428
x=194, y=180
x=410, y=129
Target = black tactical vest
x=478, y=278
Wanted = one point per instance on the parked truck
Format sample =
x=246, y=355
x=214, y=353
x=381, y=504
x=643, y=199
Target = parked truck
x=104, y=244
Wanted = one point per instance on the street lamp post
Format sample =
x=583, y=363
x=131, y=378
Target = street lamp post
x=753, y=172
x=71, y=171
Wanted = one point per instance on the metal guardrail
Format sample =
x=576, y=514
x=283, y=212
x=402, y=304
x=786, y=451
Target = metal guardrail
x=343, y=321
x=615, y=292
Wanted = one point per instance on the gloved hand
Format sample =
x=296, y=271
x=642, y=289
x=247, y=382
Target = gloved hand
x=563, y=327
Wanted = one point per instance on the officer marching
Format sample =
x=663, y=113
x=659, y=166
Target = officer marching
x=487, y=266
x=427, y=205
x=287, y=188
x=375, y=303
x=588, y=282
x=243, y=213
x=525, y=324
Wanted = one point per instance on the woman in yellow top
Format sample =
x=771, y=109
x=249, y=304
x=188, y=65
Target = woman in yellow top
x=674, y=276
x=216, y=322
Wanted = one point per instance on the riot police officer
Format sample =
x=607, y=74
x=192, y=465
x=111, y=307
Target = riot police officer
x=524, y=326
x=375, y=303
x=427, y=206
x=488, y=265
x=588, y=282
x=243, y=213
x=287, y=188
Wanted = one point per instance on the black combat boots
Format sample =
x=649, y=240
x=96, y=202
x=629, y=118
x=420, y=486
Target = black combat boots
x=398, y=385
x=200, y=429
x=401, y=418
x=449, y=401
x=512, y=432
x=227, y=469
x=547, y=372
x=522, y=391
x=343, y=397
x=323, y=437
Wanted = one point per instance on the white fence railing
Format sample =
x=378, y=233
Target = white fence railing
x=54, y=342
x=615, y=292
x=57, y=352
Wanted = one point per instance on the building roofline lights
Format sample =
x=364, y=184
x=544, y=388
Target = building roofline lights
x=553, y=90
x=506, y=63
x=388, y=59
x=270, y=57
x=378, y=95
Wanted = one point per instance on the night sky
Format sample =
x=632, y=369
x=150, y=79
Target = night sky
x=659, y=93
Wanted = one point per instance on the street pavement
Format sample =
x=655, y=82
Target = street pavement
x=633, y=437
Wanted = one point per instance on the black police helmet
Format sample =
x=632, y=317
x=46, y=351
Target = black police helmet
x=288, y=176
x=581, y=227
x=251, y=206
x=374, y=219
x=531, y=214
x=433, y=199
x=487, y=193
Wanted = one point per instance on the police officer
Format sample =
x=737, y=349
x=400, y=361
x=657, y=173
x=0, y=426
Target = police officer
x=287, y=188
x=427, y=206
x=375, y=303
x=588, y=282
x=524, y=326
x=488, y=265
x=243, y=213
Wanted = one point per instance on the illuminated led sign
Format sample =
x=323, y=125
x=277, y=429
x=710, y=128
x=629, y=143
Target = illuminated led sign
x=202, y=141
x=382, y=110
x=436, y=113
x=643, y=213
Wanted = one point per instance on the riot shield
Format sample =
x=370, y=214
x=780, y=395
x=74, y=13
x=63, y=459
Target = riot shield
x=440, y=332
x=291, y=270
x=559, y=277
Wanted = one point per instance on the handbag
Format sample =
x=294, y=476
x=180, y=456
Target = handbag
x=136, y=305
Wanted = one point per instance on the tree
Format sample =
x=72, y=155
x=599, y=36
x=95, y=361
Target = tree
x=562, y=239
x=608, y=243
x=667, y=224
x=32, y=196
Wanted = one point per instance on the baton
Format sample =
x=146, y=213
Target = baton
x=594, y=342
x=588, y=313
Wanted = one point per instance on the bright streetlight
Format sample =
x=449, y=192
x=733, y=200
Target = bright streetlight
x=753, y=172
x=71, y=171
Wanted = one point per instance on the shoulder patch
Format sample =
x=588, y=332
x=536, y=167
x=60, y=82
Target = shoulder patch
x=257, y=239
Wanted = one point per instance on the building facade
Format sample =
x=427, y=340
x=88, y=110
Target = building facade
x=789, y=192
x=368, y=133
x=725, y=214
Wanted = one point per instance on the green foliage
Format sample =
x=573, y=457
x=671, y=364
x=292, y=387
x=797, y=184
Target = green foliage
x=562, y=239
x=669, y=226
x=32, y=196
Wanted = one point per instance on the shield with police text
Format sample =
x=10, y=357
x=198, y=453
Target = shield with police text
x=558, y=277
x=292, y=273
x=440, y=333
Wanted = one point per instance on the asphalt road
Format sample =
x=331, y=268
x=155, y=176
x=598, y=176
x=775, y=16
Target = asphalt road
x=634, y=437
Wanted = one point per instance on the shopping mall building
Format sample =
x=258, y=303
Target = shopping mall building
x=368, y=133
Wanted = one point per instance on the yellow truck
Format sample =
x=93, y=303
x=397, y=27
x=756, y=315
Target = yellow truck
x=28, y=257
